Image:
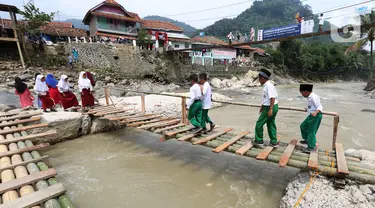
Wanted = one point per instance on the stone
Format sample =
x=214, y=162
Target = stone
x=373, y=95
x=6, y=108
x=107, y=79
x=86, y=124
x=103, y=125
x=110, y=85
x=216, y=83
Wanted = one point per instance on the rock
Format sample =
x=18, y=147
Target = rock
x=86, y=124
x=67, y=125
x=370, y=86
x=103, y=125
x=224, y=83
x=373, y=95
x=110, y=85
x=6, y=108
x=216, y=83
x=251, y=75
x=26, y=77
x=107, y=79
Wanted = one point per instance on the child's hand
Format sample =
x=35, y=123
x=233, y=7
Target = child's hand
x=314, y=114
x=270, y=112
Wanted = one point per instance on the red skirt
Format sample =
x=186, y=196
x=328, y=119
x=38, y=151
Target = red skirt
x=55, y=95
x=47, y=102
x=70, y=100
x=87, y=98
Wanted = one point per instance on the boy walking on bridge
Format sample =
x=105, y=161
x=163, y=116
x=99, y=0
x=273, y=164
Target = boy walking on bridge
x=195, y=104
x=207, y=103
x=310, y=126
x=268, y=110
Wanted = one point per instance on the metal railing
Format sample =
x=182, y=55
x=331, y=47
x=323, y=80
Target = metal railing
x=336, y=117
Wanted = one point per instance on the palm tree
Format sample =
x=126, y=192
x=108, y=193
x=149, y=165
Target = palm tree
x=362, y=42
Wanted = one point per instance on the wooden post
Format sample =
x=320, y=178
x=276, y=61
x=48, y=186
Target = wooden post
x=106, y=96
x=13, y=18
x=143, y=104
x=183, y=111
x=336, y=121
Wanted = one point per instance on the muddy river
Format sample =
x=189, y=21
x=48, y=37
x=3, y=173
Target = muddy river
x=132, y=168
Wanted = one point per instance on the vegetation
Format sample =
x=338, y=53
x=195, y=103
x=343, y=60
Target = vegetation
x=35, y=18
x=144, y=38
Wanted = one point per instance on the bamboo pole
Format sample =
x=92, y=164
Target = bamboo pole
x=106, y=96
x=336, y=121
x=184, y=111
x=143, y=104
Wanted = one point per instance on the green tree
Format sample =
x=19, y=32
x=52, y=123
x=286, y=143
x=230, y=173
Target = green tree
x=144, y=38
x=35, y=18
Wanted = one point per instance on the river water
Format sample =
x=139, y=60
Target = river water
x=132, y=168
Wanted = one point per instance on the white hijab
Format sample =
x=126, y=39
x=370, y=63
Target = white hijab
x=39, y=85
x=84, y=83
x=64, y=86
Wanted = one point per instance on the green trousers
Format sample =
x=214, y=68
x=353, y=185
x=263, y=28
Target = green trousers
x=205, y=118
x=271, y=124
x=309, y=128
x=195, y=114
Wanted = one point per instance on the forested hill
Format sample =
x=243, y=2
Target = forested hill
x=188, y=29
x=261, y=15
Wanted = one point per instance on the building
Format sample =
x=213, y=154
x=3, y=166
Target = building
x=206, y=56
x=166, y=34
x=110, y=19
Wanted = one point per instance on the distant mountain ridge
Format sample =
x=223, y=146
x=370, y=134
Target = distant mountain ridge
x=188, y=29
x=77, y=23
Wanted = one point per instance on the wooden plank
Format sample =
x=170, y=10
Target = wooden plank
x=158, y=131
x=245, y=148
x=264, y=154
x=9, y=114
x=143, y=104
x=13, y=123
x=136, y=124
x=190, y=136
x=287, y=153
x=140, y=119
x=20, y=116
x=13, y=166
x=22, y=150
x=179, y=131
x=184, y=111
x=342, y=167
x=211, y=137
x=110, y=112
x=313, y=161
x=163, y=124
x=336, y=121
x=30, y=179
x=24, y=128
x=230, y=142
x=36, y=198
x=121, y=117
x=8, y=39
x=93, y=111
x=28, y=137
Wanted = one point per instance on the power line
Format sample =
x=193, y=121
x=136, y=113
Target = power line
x=199, y=20
x=210, y=9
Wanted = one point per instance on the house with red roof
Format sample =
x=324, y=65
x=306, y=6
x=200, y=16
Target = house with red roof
x=166, y=34
x=111, y=20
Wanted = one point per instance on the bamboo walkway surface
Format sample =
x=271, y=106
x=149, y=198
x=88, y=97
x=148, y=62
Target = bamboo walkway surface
x=27, y=178
x=335, y=163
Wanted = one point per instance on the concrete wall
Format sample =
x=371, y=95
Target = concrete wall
x=93, y=26
x=181, y=45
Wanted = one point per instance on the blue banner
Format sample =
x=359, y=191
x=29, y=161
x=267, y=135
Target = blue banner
x=280, y=32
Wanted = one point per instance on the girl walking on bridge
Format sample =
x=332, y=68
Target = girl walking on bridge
x=26, y=98
x=68, y=99
x=43, y=93
x=268, y=110
x=195, y=105
x=85, y=88
x=207, y=103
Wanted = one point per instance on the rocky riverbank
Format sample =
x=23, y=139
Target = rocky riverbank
x=322, y=193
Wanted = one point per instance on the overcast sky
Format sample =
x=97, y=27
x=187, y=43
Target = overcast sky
x=78, y=8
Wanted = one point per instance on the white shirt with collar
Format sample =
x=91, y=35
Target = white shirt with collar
x=269, y=91
x=195, y=94
x=313, y=103
x=207, y=93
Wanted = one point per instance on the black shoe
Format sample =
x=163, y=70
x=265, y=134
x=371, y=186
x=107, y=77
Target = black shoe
x=212, y=126
x=197, y=130
x=54, y=110
x=204, y=131
x=258, y=144
x=274, y=145
x=45, y=111
x=309, y=150
x=303, y=141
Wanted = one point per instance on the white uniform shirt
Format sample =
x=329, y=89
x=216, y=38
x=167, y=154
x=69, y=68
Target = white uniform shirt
x=313, y=103
x=207, y=93
x=195, y=94
x=269, y=91
x=321, y=20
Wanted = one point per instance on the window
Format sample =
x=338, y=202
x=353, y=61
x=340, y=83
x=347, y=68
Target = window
x=176, y=46
x=187, y=45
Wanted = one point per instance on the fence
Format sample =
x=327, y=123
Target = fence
x=336, y=117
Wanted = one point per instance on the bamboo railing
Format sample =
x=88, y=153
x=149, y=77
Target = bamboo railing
x=336, y=117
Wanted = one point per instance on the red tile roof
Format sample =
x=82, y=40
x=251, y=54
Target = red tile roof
x=209, y=40
x=160, y=25
x=64, y=31
x=60, y=24
x=247, y=47
x=115, y=16
x=179, y=40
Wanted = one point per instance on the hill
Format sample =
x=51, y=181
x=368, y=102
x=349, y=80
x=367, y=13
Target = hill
x=188, y=29
x=77, y=23
x=261, y=15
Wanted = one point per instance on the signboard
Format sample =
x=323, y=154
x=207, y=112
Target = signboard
x=280, y=32
x=363, y=10
x=307, y=26
x=260, y=35
x=223, y=53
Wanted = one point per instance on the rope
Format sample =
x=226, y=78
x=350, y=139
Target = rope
x=313, y=176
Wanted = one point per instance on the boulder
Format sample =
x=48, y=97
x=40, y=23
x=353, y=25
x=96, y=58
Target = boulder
x=370, y=86
x=216, y=83
x=6, y=108
x=107, y=79
x=86, y=124
x=103, y=125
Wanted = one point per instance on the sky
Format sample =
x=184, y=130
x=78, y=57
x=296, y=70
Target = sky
x=68, y=9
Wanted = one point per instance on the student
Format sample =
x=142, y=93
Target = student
x=53, y=91
x=195, y=104
x=68, y=99
x=268, y=111
x=85, y=88
x=42, y=90
x=70, y=61
x=23, y=92
x=321, y=23
x=230, y=38
x=92, y=80
x=206, y=102
x=39, y=102
x=75, y=54
x=310, y=126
